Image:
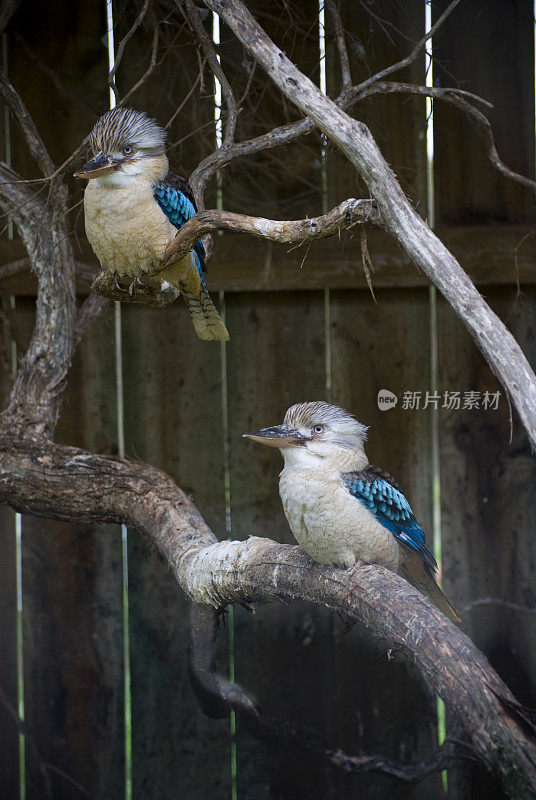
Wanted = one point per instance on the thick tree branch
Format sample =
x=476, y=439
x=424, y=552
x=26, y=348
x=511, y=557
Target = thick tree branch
x=217, y=697
x=420, y=243
x=71, y=484
x=349, y=213
x=35, y=399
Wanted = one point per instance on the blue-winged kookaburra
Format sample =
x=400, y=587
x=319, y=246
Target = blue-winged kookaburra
x=341, y=509
x=134, y=206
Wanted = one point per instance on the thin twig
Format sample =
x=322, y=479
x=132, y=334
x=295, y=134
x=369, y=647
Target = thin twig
x=89, y=312
x=404, y=62
x=121, y=48
x=152, y=63
x=344, y=61
x=210, y=54
x=26, y=124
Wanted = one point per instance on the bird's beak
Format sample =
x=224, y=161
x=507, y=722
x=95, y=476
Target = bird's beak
x=279, y=436
x=101, y=164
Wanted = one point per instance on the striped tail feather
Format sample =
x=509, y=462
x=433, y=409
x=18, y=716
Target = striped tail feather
x=414, y=570
x=207, y=322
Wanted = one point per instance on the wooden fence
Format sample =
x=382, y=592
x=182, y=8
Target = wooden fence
x=303, y=326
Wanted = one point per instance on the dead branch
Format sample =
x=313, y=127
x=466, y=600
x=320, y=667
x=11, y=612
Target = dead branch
x=121, y=48
x=344, y=61
x=89, y=312
x=192, y=15
x=217, y=697
x=27, y=126
x=152, y=63
x=420, y=243
x=410, y=58
x=458, y=98
x=66, y=483
x=7, y=9
x=349, y=213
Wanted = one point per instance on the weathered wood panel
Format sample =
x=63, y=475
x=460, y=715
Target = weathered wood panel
x=9, y=745
x=488, y=490
x=474, y=448
x=378, y=35
x=282, y=655
x=382, y=704
x=173, y=419
x=486, y=47
x=72, y=611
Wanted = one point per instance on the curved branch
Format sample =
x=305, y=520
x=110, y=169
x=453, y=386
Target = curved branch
x=217, y=697
x=71, y=484
x=349, y=213
x=420, y=243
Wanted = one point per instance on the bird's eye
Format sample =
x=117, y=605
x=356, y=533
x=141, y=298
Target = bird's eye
x=318, y=429
x=127, y=150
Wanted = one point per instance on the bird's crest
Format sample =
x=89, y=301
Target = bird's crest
x=342, y=428
x=121, y=127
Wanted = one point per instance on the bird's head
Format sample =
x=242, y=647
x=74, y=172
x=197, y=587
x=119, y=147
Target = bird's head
x=317, y=433
x=125, y=142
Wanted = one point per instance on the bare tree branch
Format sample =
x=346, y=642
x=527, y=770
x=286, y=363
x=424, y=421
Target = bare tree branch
x=152, y=63
x=346, y=74
x=26, y=125
x=420, y=243
x=349, y=213
x=67, y=483
x=121, y=48
x=7, y=9
x=217, y=697
x=194, y=19
x=409, y=59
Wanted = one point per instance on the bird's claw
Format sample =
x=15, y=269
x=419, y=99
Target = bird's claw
x=118, y=285
x=132, y=286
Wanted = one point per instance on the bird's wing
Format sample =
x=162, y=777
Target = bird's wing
x=378, y=492
x=174, y=196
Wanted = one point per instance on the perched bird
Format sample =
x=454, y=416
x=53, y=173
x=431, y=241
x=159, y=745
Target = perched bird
x=341, y=509
x=134, y=206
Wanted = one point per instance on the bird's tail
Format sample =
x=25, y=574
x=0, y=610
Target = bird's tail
x=415, y=571
x=207, y=322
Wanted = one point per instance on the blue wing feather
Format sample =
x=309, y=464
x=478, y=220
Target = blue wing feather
x=173, y=196
x=385, y=500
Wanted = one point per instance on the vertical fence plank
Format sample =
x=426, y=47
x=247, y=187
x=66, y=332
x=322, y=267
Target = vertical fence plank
x=172, y=391
x=282, y=654
x=384, y=346
x=398, y=122
x=474, y=446
x=9, y=747
x=488, y=491
x=382, y=705
x=468, y=188
x=72, y=611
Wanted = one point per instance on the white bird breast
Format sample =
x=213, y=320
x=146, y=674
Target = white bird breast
x=125, y=226
x=330, y=524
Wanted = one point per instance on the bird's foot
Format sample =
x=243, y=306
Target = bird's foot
x=118, y=285
x=132, y=287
